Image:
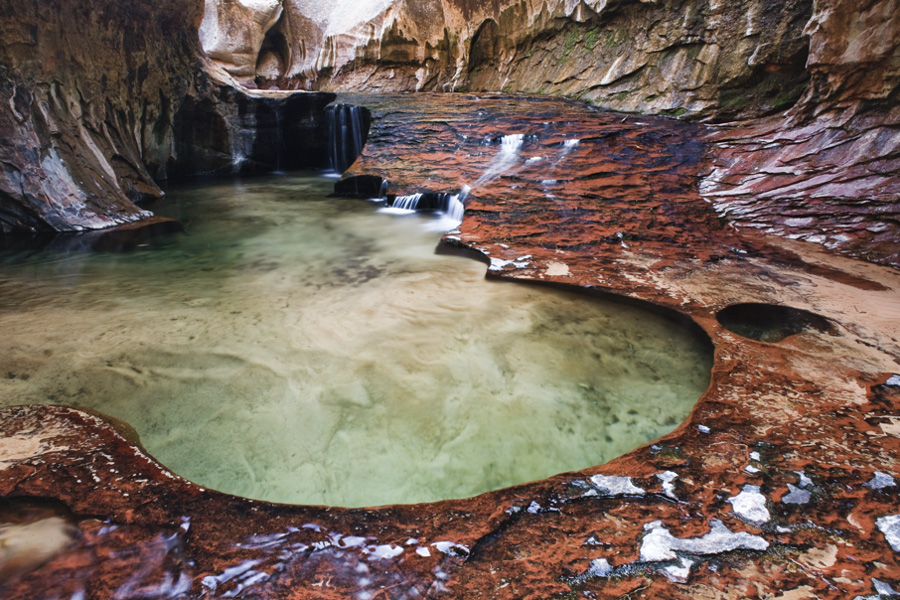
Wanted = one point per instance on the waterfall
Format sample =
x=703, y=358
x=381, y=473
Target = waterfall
x=406, y=203
x=451, y=207
x=567, y=147
x=448, y=207
x=347, y=131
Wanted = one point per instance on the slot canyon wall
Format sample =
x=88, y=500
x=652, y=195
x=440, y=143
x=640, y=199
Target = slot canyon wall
x=87, y=91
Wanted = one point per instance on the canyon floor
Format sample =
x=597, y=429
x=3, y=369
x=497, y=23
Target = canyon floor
x=781, y=483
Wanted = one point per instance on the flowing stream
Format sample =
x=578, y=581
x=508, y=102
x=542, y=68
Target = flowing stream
x=299, y=348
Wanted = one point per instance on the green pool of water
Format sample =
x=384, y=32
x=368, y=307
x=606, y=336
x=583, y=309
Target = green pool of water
x=297, y=348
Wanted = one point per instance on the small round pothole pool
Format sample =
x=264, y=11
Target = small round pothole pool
x=297, y=348
x=770, y=323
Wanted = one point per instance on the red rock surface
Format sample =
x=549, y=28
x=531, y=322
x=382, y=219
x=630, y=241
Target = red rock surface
x=781, y=484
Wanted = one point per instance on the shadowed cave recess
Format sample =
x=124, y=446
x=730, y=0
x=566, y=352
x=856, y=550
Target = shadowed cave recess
x=723, y=171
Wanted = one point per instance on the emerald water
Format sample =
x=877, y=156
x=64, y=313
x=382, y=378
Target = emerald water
x=298, y=348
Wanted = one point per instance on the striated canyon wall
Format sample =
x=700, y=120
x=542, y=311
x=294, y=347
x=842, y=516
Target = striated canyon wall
x=662, y=56
x=89, y=91
x=101, y=100
x=828, y=169
x=703, y=58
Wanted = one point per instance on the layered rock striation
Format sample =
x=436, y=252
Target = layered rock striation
x=826, y=170
x=88, y=95
x=672, y=56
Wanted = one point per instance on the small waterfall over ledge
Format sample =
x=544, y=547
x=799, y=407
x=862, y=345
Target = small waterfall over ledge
x=452, y=206
x=348, y=127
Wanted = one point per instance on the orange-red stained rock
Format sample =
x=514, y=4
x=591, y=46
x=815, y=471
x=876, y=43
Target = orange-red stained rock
x=812, y=418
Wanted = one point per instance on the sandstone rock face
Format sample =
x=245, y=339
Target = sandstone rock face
x=233, y=32
x=228, y=130
x=693, y=57
x=827, y=170
x=100, y=102
x=669, y=56
x=91, y=93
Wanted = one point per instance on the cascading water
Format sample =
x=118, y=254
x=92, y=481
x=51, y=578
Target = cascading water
x=452, y=206
x=566, y=149
x=242, y=139
x=449, y=207
x=279, y=137
x=348, y=127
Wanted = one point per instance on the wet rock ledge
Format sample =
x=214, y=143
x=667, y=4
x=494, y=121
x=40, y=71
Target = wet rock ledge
x=781, y=484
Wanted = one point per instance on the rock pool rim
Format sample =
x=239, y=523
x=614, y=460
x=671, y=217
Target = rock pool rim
x=682, y=321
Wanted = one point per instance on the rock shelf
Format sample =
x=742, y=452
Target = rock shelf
x=781, y=484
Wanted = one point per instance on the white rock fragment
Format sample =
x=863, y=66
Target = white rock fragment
x=668, y=487
x=352, y=541
x=703, y=428
x=533, y=508
x=681, y=572
x=611, y=485
x=884, y=589
x=660, y=545
x=498, y=264
x=880, y=481
x=750, y=505
x=890, y=527
x=423, y=552
x=894, y=381
x=796, y=495
x=557, y=269
x=805, y=481
x=384, y=551
x=751, y=469
x=754, y=456
x=214, y=581
x=451, y=548
x=600, y=568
